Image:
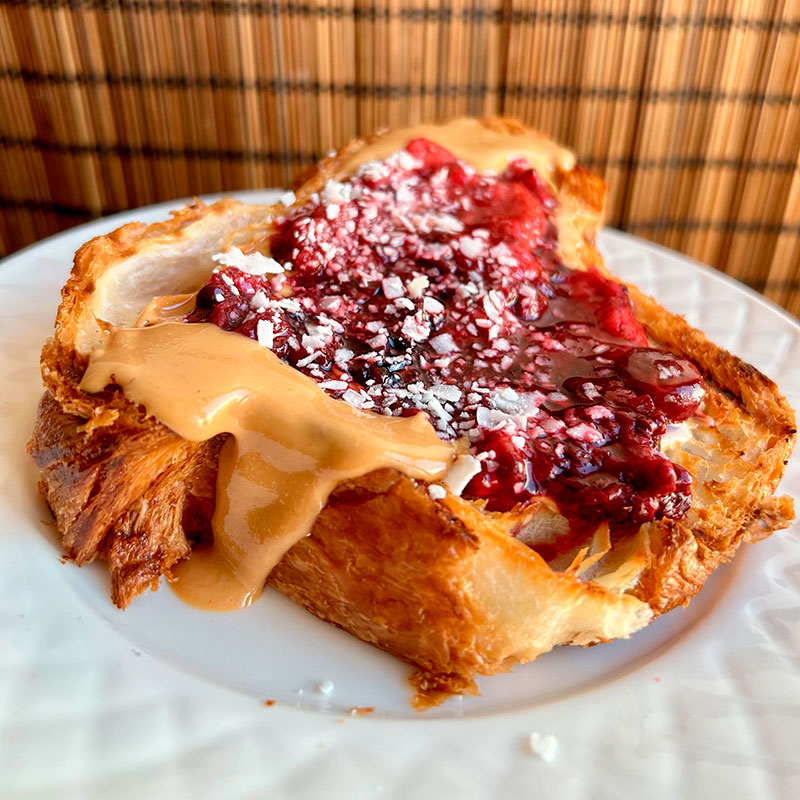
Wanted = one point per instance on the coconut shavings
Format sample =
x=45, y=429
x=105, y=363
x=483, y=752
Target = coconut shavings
x=251, y=263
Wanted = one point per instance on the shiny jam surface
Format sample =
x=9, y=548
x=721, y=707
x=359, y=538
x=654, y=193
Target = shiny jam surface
x=420, y=285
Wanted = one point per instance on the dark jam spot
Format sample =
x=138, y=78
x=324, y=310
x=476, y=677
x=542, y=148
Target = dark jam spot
x=423, y=286
x=672, y=382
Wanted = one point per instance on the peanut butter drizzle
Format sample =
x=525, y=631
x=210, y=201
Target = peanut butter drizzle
x=482, y=147
x=290, y=446
x=164, y=308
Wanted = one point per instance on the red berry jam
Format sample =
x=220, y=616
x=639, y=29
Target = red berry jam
x=422, y=285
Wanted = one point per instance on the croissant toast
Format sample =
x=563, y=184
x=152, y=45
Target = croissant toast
x=583, y=461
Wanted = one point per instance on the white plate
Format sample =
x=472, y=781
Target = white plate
x=707, y=699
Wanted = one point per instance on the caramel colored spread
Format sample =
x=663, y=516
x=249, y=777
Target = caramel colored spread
x=290, y=444
x=482, y=147
x=165, y=308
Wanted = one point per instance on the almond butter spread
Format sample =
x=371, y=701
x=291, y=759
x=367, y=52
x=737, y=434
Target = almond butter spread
x=291, y=444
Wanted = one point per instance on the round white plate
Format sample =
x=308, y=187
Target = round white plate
x=95, y=702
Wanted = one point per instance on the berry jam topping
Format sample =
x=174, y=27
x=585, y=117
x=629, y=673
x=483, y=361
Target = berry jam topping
x=422, y=285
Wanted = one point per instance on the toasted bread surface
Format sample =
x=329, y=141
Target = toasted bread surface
x=443, y=585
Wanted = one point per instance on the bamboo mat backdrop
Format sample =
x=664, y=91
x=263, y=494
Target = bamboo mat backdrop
x=691, y=110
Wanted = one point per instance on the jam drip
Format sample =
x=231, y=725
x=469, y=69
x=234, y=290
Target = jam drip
x=422, y=285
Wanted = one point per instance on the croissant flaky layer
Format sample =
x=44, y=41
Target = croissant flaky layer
x=444, y=584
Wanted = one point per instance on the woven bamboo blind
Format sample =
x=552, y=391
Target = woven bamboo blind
x=691, y=110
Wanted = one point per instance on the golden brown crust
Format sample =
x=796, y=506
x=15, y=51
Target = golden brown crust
x=759, y=395
x=465, y=597
x=753, y=436
x=362, y=580
x=128, y=493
